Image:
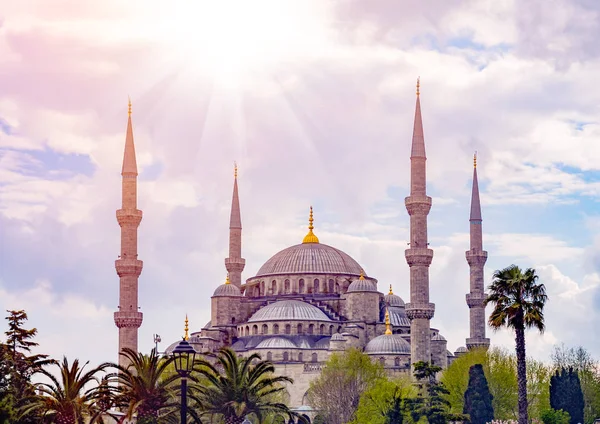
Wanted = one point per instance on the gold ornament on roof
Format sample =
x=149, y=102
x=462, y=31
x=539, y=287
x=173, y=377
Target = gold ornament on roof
x=475, y=160
x=227, y=279
x=235, y=170
x=186, y=336
x=129, y=107
x=310, y=237
x=388, y=324
x=418, y=85
x=391, y=292
x=362, y=275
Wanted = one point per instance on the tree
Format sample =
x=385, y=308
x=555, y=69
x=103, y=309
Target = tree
x=146, y=388
x=566, y=394
x=518, y=304
x=384, y=403
x=344, y=378
x=239, y=387
x=65, y=400
x=551, y=416
x=478, y=399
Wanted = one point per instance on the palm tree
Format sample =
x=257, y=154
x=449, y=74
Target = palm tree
x=146, y=388
x=239, y=387
x=518, y=304
x=65, y=400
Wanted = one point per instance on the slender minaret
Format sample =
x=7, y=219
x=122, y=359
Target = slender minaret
x=235, y=263
x=419, y=256
x=476, y=258
x=128, y=319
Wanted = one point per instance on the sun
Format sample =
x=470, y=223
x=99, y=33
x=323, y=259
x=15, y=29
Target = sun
x=231, y=38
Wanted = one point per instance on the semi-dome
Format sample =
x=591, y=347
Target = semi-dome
x=398, y=317
x=337, y=337
x=388, y=344
x=227, y=289
x=276, y=343
x=362, y=285
x=438, y=337
x=392, y=299
x=292, y=310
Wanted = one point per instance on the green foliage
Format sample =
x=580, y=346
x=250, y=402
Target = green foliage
x=518, y=304
x=345, y=377
x=566, y=394
x=478, y=399
x=239, y=387
x=384, y=402
x=552, y=416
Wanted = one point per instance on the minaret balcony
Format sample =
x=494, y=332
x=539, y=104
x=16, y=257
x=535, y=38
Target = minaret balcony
x=235, y=264
x=475, y=343
x=476, y=257
x=418, y=205
x=129, y=217
x=475, y=300
x=420, y=310
x=418, y=256
x=128, y=319
x=126, y=266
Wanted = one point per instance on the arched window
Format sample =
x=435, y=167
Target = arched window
x=269, y=356
x=275, y=329
x=339, y=329
x=286, y=357
x=233, y=320
x=301, y=286
x=322, y=329
x=262, y=287
x=382, y=360
x=299, y=328
x=311, y=329
x=330, y=286
x=247, y=331
x=337, y=287
x=314, y=357
x=331, y=330
x=316, y=286
x=300, y=357
x=286, y=287
x=256, y=291
x=273, y=287
x=254, y=330
x=288, y=329
x=397, y=362
x=265, y=329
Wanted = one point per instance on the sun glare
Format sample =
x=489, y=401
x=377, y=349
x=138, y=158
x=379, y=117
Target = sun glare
x=232, y=38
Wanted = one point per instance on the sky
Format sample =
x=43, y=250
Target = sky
x=315, y=101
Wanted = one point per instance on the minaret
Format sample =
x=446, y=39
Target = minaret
x=235, y=263
x=419, y=256
x=476, y=258
x=128, y=319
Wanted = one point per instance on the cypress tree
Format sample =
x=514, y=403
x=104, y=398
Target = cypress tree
x=478, y=399
x=566, y=394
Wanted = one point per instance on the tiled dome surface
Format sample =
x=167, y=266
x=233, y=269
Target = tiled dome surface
x=398, y=317
x=309, y=258
x=387, y=344
x=227, y=290
x=289, y=310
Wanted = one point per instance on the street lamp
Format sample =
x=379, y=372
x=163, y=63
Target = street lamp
x=183, y=356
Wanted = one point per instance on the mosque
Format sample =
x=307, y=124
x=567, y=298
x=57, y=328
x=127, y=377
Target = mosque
x=311, y=299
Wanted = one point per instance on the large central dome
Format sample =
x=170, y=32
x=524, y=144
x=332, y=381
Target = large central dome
x=310, y=258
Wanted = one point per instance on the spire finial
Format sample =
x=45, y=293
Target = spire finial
x=388, y=324
x=362, y=274
x=129, y=107
x=391, y=292
x=418, y=85
x=186, y=328
x=227, y=279
x=310, y=237
x=475, y=159
x=235, y=169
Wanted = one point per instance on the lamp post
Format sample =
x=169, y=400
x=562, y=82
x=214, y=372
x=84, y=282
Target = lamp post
x=183, y=356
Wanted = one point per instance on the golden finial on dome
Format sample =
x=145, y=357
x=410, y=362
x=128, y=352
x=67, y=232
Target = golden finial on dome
x=388, y=324
x=310, y=237
x=418, y=85
x=227, y=279
x=235, y=170
x=186, y=336
x=129, y=107
x=475, y=159
x=391, y=292
x=362, y=274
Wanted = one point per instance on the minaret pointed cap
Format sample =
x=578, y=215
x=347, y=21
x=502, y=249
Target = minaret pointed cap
x=475, y=202
x=418, y=140
x=310, y=237
x=129, y=161
x=235, y=220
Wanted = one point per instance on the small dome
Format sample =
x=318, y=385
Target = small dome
x=393, y=300
x=387, y=344
x=362, y=285
x=438, y=338
x=294, y=310
x=461, y=349
x=337, y=337
x=227, y=289
x=276, y=343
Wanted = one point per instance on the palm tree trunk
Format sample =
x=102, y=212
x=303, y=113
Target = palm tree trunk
x=521, y=374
